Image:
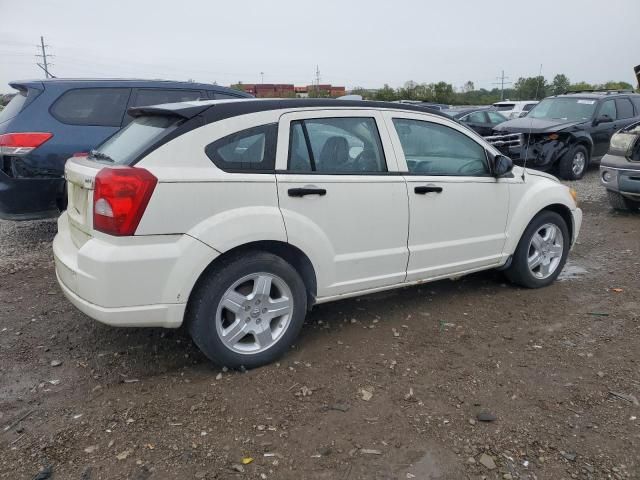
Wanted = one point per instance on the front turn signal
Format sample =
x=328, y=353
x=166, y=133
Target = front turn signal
x=574, y=195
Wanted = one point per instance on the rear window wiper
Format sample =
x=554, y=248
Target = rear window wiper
x=101, y=156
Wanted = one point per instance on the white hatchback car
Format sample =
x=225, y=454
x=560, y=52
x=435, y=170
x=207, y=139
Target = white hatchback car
x=235, y=217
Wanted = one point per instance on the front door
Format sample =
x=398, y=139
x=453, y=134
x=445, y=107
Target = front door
x=342, y=199
x=603, y=132
x=457, y=210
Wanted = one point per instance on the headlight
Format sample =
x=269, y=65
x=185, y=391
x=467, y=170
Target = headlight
x=622, y=143
x=553, y=136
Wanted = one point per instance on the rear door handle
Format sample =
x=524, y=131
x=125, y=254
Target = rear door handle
x=427, y=189
x=301, y=192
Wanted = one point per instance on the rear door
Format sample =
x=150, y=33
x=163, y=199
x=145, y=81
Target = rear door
x=342, y=198
x=457, y=209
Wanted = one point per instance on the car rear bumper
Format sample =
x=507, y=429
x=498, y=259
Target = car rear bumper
x=139, y=281
x=29, y=198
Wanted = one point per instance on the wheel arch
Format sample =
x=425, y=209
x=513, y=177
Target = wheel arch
x=293, y=255
x=564, y=212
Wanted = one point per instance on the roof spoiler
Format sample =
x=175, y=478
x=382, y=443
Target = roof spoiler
x=24, y=85
x=183, y=110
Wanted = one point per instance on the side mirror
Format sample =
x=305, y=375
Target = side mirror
x=501, y=165
x=603, y=119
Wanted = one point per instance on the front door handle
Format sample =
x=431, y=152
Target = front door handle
x=427, y=189
x=301, y=192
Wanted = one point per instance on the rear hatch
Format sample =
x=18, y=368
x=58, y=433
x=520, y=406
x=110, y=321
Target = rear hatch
x=120, y=151
x=80, y=174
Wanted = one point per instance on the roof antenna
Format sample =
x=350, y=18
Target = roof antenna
x=526, y=150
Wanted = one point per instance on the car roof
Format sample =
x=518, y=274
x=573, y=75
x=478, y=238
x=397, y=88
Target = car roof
x=214, y=110
x=595, y=95
x=128, y=82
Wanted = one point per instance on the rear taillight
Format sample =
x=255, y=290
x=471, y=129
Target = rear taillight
x=22, y=143
x=120, y=197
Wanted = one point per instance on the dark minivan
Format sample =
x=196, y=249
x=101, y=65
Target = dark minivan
x=48, y=121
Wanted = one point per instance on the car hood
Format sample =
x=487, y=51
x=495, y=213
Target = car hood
x=534, y=125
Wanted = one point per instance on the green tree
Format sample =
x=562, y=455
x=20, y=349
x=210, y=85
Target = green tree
x=560, y=84
x=386, y=93
x=531, y=88
x=468, y=87
x=443, y=92
x=611, y=85
x=581, y=86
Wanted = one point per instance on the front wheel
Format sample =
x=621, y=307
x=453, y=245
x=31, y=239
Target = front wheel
x=248, y=310
x=541, y=252
x=574, y=163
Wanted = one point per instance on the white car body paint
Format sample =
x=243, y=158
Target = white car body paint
x=370, y=233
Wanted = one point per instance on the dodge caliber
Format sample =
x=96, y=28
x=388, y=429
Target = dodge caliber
x=234, y=217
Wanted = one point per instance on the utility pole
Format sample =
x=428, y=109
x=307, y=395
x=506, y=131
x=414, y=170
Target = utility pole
x=501, y=81
x=45, y=64
x=317, y=80
x=262, y=77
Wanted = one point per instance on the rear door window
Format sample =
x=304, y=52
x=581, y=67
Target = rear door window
x=336, y=145
x=624, y=107
x=476, y=117
x=92, y=106
x=157, y=96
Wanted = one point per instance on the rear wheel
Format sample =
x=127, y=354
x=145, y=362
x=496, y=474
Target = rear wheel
x=248, y=311
x=574, y=163
x=618, y=202
x=541, y=252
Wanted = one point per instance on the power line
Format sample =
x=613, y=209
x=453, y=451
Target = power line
x=45, y=64
x=501, y=81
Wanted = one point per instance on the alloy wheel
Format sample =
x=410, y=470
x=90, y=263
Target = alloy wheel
x=254, y=313
x=545, y=251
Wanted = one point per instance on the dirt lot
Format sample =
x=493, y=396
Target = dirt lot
x=559, y=368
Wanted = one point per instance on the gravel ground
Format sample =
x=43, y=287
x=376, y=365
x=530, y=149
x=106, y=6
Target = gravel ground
x=388, y=386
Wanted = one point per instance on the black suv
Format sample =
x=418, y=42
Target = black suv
x=566, y=132
x=48, y=121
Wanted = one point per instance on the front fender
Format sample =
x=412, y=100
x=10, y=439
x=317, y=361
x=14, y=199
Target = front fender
x=528, y=199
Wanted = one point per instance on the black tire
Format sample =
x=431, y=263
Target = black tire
x=203, y=305
x=618, y=202
x=519, y=272
x=565, y=167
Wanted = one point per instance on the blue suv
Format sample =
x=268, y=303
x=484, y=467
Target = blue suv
x=49, y=121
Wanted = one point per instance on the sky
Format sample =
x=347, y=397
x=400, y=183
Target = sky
x=354, y=43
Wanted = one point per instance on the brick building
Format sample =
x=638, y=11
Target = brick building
x=288, y=90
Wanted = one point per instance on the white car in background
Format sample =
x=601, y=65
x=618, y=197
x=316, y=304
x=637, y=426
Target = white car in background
x=515, y=109
x=236, y=217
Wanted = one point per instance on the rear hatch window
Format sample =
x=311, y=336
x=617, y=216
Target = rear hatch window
x=124, y=147
x=13, y=107
x=504, y=106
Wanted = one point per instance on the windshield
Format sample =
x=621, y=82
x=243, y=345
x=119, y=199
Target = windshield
x=567, y=109
x=13, y=107
x=123, y=147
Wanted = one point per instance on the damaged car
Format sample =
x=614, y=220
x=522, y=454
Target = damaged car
x=565, y=133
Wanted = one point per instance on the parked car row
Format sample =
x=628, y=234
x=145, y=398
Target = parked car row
x=565, y=133
x=48, y=121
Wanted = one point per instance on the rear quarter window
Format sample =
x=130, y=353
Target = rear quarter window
x=91, y=106
x=250, y=150
x=13, y=107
